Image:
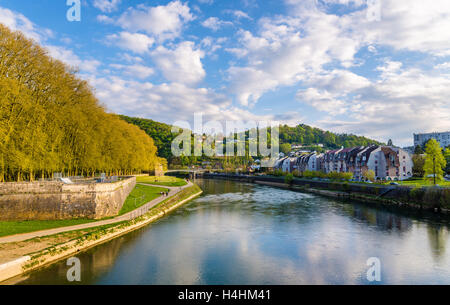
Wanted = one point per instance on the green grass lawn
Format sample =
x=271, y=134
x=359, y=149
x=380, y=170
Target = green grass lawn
x=140, y=195
x=163, y=181
x=411, y=182
x=18, y=227
x=422, y=182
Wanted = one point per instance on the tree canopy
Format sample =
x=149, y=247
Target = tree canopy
x=434, y=160
x=50, y=120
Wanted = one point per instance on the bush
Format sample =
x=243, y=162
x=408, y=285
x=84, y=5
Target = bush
x=289, y=179
x=278, y=173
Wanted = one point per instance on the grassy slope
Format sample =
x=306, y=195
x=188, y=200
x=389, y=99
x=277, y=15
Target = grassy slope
x=19, y=227
x=163, y=181
x=140, y=195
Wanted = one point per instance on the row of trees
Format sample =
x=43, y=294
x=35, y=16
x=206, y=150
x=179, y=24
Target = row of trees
x=50, y=120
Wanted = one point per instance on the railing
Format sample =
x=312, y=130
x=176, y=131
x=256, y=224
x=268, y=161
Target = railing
x=139, y=211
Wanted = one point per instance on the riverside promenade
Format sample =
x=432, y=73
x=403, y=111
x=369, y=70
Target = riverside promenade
x=128, y=216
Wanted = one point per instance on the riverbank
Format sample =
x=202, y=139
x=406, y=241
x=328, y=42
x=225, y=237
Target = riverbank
x=55, y=253
x=436, y=200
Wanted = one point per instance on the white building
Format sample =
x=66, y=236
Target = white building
x=441, y=137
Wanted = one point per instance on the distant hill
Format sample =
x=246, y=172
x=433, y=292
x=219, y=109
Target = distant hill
x=306, y=135
x=160, y=133
x=302, y=135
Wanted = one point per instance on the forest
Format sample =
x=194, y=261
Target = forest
x=301, y=134
x=51, y=121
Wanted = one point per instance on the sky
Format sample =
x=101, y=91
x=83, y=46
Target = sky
x=377, y=68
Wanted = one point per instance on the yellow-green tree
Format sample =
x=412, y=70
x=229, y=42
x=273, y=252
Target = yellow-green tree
x=434, y=161
x=50, y=120
x=369, y=175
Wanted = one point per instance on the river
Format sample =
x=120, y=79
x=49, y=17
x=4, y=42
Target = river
x=238, y=233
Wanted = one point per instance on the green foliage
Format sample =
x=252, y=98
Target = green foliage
x=306, y=135
x=340, y=176
x=434, y=160
x=369, y=175
x=447, y=159
x=418, y=164
x=418, y=150
x=285, y=148
x=50, y=120
x=161, y=133
x=331, y=175
x=163, y=181
x=18, y=227
x=289, y=179
x=139, y=196
x=278, y=173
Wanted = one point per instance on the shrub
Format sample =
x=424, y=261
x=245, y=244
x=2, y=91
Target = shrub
x=289, y=179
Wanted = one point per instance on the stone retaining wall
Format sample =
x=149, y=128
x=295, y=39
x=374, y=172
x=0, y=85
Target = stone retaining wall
x=58, y=201
x=426, y=197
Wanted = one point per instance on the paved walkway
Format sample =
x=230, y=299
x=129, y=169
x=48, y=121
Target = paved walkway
x=131, y=215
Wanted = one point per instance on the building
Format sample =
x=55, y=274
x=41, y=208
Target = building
x=387, y=162
x=441, y=137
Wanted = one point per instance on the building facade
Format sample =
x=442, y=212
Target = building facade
x=388, y=163
x=441, y=137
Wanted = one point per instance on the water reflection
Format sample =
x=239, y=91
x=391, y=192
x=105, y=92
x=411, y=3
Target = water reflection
x=248, y=234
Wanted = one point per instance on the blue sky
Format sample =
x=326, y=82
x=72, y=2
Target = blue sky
x=379, y=68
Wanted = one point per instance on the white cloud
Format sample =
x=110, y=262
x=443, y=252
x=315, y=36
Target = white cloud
x=138, y=43
x=400, y=102
x=136, y=71
x=322, y=100
x=18, y=22
x=163, y=22
x=105, y=19
x=107, y=6
x=69, y=57
x=215, y=23
x=416, y=26
x=182, y=64
x=238, y=14
x=171, y=102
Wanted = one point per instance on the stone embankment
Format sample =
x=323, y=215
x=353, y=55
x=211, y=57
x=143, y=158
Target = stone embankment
x=435, y=199
x=58, y=201
x=42, y=258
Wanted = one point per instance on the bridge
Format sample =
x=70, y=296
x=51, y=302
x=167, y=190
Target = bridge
x=192, y=172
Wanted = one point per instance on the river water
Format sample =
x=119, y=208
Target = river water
x=249, y=234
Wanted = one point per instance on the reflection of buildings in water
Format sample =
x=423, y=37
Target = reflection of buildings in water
x=384, y=221
x=437, y=239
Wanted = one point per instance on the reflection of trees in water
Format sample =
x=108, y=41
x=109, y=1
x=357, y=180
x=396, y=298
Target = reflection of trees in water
x=437, y=239
x=211, y=186
x=382, y=220
x=94, y=263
